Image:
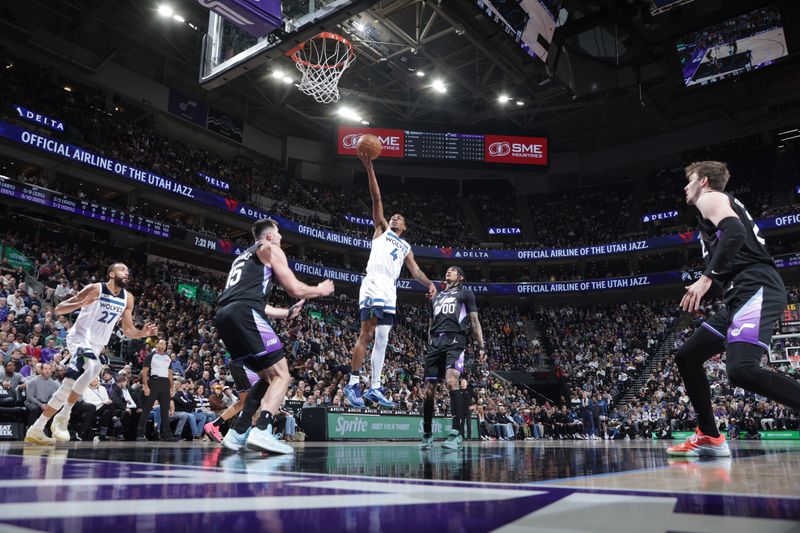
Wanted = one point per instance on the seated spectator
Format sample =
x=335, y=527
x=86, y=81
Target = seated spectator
x=97, y=396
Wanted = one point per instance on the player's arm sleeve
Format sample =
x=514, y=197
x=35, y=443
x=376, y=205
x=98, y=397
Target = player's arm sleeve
x=731, y=239
x=469, y=301
x=148, y=361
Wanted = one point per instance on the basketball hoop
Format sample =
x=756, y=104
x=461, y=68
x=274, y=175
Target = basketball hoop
x=322, y=60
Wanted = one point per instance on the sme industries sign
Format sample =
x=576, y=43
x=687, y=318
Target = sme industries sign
x=515, y=150
x=392, y=141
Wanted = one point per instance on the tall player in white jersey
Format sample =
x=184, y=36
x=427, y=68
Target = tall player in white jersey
x=102, y=305
x=378, y=295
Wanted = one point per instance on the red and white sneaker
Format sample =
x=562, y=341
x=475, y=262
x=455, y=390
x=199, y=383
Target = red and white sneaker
x=213, y=431
x=699, y=445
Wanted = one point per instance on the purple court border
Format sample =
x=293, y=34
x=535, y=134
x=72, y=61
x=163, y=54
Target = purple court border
x=467, y=516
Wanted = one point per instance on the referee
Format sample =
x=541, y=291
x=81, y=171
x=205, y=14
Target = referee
x=156, y=378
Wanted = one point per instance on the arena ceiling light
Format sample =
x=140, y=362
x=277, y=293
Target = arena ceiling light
x=349, y=113
x=439, y=86
x=165, y=10
x=287, y=80
x=178, y=18
x=420, y=73
x=503, y=98
x=278, y=74
x=520, y=103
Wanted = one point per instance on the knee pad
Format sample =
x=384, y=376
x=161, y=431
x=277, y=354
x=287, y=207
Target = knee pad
x=741, y=359
x=91, y=369
x=381, y=338
x=61, y=396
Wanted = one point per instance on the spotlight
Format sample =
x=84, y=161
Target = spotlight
x=68, y=88
x=165, y=11
x=287, y=79
x=503, y=98
x=178, y=18
x=349, y=114
x=420, y=74
x=365, y=123
x=360, y=27
x=520, y=102
x=278, y=74
x=439, y=86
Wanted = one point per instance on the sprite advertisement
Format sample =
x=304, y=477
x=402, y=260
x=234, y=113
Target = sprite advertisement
x=346, y=426
x=187, y=291
x=17, y=259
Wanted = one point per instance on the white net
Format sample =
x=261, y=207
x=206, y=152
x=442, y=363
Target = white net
x=785, y=349
x=321, y=60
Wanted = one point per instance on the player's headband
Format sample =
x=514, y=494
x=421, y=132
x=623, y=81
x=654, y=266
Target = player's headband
x=458, y=270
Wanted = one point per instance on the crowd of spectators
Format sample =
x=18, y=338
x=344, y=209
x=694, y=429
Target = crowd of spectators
x=127, y=131
x=596, y=354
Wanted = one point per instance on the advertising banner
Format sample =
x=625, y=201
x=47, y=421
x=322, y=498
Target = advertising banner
x=392, y=141
x=84, y=208
x=17, y=259
x=347, y=426
x=224, y=124
x=187, y=108
x=515, y=150
x=144, y=177
x=38, y=118
x=187, y=291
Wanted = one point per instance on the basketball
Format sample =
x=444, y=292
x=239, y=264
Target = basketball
x=370, y=145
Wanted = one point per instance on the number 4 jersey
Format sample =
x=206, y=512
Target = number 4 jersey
x=450, y=310
x=378, y=290
x=96, y=321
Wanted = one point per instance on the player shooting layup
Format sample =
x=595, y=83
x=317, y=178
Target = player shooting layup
x=378, y=295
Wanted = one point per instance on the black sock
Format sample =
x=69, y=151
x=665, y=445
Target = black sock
x=251, y=405
x=455, y=409
x=218, y=421
x=427, y=410
x=264, y=420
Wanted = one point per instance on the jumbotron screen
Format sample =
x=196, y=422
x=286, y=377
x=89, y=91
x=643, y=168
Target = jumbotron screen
x=531, y=23
x=733, y=47
x=448, y=146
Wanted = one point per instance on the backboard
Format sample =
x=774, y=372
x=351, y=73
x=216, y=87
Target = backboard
x=229, y=51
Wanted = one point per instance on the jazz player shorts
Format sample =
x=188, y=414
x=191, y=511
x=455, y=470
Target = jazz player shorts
x=377, y=298
x=243, y=377
x=753, y=302
x=248, y=335
x=446, y=350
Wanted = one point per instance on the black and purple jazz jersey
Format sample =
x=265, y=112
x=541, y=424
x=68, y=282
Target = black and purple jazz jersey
x=450, y=310
x=249, y=280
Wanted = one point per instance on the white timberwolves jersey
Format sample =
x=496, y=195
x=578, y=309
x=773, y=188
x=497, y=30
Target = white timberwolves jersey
x=387, y=256
x=96, y=322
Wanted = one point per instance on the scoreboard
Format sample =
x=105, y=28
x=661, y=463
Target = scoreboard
x=790, y=317
x=448, y=146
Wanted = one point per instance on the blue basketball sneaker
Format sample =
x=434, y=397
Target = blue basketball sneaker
x=264, y=440
x=454, y=440
x=353, y=395
x=377, y=396
x=234, y=440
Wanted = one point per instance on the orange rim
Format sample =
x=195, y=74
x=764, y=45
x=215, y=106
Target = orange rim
x=294, y=52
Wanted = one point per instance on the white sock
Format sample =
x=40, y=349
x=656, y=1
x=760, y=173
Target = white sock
x=40, y=422
x=354, y=379
x=66, y=411
x=378, y=355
